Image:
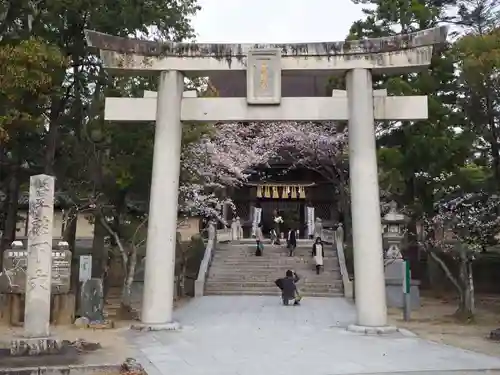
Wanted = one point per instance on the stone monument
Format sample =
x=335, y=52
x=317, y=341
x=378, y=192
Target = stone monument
x=92, y=301
x=39, y=263
x=37, y=338
x=268, y=82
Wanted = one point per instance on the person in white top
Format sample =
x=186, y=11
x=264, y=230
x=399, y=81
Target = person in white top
x=259, y=238
x=318, y=253
x=318, y=227
x=236, y=229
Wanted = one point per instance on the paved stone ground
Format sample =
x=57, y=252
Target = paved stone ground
x=256, y=335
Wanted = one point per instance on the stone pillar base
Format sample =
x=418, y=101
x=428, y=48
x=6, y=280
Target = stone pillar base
x=171, y=326
x=384, y=330
x=33, y=346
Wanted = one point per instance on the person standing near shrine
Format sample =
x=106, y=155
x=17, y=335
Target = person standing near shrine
x=318, y=253
x=278, y=220
x=318, y=227
x=292, y=241
x=259, y=238
x=236, y=229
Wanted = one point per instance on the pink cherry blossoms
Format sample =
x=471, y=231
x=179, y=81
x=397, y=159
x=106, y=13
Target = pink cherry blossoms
x=229, y=157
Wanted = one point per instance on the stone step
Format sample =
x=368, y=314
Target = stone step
x=269, y=246
x=235, y=270
x=266, y=267
x=272, y=277
x=302, y=270
x=270, y=284
x=269, y=249
x=276, y=293
x=269, y=260
x=228, y=265
x=257, y=272
x=255, y=291
x=266, y=254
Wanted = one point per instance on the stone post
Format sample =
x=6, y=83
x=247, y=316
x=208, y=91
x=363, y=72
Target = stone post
x=39, y=262
x=365, y=204
x=158, y=298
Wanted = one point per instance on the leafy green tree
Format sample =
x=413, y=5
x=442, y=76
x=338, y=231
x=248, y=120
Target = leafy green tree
x=27, y=73
x=479, y=67
x=88, y=157
x=423, y=162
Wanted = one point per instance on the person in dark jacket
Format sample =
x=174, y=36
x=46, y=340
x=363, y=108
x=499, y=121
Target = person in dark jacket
x=289, y=292
x=292, y=241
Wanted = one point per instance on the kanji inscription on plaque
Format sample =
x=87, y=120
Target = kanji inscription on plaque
x=264, y=76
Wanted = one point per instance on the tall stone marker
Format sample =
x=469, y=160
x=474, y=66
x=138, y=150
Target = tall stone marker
x=283, y=82
x=38, y=274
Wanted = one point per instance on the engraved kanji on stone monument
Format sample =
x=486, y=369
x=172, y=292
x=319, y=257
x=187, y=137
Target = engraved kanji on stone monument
x=39, y=257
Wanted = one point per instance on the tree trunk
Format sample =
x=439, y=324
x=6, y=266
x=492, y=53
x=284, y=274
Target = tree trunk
x=181, y=279
x=69, y=236
x=345, y=207
x=126, y=298
x=52, y=135
x=495, y=148
x=446, y=271
x=465, y=309
x=12, y=205
x=99, y=252
x=412, y=252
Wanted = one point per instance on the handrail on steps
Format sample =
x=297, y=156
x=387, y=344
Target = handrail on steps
x=336, y=237
x=214, y=236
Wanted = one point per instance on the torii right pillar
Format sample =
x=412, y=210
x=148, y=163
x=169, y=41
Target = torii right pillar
x=365, y=204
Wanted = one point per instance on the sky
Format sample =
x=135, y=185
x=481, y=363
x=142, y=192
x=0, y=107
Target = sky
x=274, y=21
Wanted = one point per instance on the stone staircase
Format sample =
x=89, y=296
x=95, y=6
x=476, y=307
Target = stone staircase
x=235, y=270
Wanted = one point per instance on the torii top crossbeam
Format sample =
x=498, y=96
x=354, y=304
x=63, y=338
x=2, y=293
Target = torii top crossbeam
x=304, y=65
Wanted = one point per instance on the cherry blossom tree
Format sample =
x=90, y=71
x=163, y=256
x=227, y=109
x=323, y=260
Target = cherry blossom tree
x=230, y=156
x=225, y=158
x=462, y=225
x=321, y=147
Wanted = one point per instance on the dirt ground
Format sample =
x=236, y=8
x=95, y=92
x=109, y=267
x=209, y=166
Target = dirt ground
x=115, y=348
x=435, y=321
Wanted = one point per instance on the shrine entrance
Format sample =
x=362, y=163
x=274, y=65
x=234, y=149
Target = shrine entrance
x=280, y=82
x=285, y=200
x=292, y=213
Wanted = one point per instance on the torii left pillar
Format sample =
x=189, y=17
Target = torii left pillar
x=158, y=295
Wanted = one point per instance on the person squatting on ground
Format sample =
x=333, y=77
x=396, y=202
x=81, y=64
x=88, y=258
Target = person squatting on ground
x=289, y=291
x=318, y=252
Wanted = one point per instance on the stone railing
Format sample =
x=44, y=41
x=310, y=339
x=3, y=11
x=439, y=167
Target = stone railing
x=337, y=237
x=224, y=235
x=328, y=236
x=214, y=237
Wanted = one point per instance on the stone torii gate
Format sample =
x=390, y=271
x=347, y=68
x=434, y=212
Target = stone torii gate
x=278, y=82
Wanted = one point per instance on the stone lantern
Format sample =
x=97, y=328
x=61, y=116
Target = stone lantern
x=393, y=235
